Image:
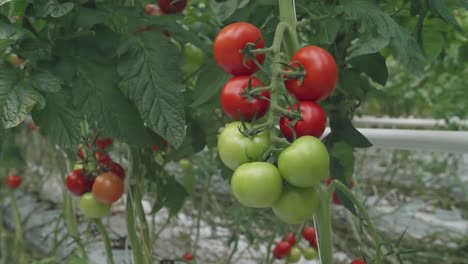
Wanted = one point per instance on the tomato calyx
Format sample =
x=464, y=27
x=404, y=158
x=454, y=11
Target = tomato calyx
x=294, y=72
x=253, y=130
x=252, y=92
x=250, y=52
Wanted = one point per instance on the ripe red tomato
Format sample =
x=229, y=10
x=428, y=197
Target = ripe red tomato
x=103, y=158
x=153, y=10
x=172, y=6
x=291, y=239
x=188, y=256
x=238, y=107
x=229, y=43
x=321, y=74
x=309, y=234
x=108, y=142
x=358, y=261
x=14, y=181
x=100, y=143
x=77, y=183
x=281, y=250
x=117, y=169
x=108, y=188
x=335, y=198
x=313, y=244
x=312, y=123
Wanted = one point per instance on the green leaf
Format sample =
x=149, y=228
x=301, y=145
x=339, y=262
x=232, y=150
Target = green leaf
x=344, y=153
x=34, y=49
x=88, y=17
x=76, y=260
x=353, y=84
x=153, y=74
x=44, y=81
x=368, y=44
x=209, y=84
x=373, y=65
x=9, y=34
x=373, y=23
x=171, y=194
x=328, y=28
x=60, y=120
x=433, y=38
x=439, y=7
x=54, y=9
x=225, y=9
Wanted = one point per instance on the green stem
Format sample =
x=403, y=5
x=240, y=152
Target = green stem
x=261, y=51
x=18, y=226
x=363, y=213
x=322, y=220
x=105, y=237
x=288, y=14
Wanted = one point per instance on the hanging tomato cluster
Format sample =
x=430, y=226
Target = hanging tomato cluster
x=290, y=249
x=287, y=184
x=96, y=179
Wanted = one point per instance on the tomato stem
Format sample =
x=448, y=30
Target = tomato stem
x=322, y=221
x=261, y=51
x=335, y=184
x=105, y=237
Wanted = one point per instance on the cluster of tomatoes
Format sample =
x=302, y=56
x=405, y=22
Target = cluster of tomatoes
x=96, y=179
x=310, y=76
x=287, y=248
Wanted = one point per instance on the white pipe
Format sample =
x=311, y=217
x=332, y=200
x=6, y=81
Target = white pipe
x=407, y=122
x=445, y=141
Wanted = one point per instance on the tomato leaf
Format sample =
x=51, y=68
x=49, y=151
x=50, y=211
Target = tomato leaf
x=327, y=30
x=88, y=17
x=440, y=8
x=60, y=120
x=171, y=194
x=44, y=81
x=209, y=84
x=373, y=65
x=152, y=72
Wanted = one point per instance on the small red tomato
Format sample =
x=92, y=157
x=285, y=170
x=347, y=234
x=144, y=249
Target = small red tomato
x=153, y=10
x=80, y=153
x=14, y=181
x=117, y=169
x=103, y=158
x=358, y=261
x=108, y=188
x=108, y=142
x=309, y=234
x=281, y=250
x=229, y=43
x=321, y=74
x=291, y=239
x=336, y=200
x=312, y=123
x=100, y=143
x=313, y=243
x=238, y=107
x=31, y=126
x=77, y=183
x=15, y=59
x=188, y=256
x=172, y=6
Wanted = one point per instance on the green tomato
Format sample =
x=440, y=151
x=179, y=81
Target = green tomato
x=185, y=164
x=92, y=208
x=296, y=204
x=193, y=58
x=257, y=184
x=294, y=255
x=236, y=149
x=309, y=253
x=305, y=162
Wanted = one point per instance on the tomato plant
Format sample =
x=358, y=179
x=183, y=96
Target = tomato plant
x=309, y=234
x=172, y=6
x=291, y=239
x=235, y=148
x=92, y=208
x=281, y=250
x=153, y=10
x=77, y=183
x=320, y=74
x=312, y=123
x=296, y=205
x=14, y=181
x=229, y=43
x=305, y=162
x=238, y=106
x=108, y=188
x=294, y=255
x=257, y=184
x=309, y=253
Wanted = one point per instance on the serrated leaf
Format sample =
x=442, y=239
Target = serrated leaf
x=379, y=24
x=348, y=133
x=171, y=194
x=344, y=153
x=44, y=81
x=54, y=9
x=225, y=9
x=368, y=44
x=353, y=84
x=9, y=34
x=151, y=67
x=373, y=65
x=88, y=17
x=34, y=49
x=439, y=7
x=209, y=83
x=60, y=120
x=433, y=38
x=328, y=28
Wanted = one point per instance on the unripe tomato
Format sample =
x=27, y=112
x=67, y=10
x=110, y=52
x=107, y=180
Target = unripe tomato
x=294, y=255
x=193, y=58
x=15, y=60
x=77, y=183
x=238, y=107
x=257, y=184
x=309, y=234
x=14, y=181
x=92, y=208
x=108, y=188
x=236, y=149
x=296, y=205
x=185, y=164
x=172, y=6
x=228, y=45
x=312, y=123
x=305, y=162
x=309, y=253
x=281, y=250
x=321, y=74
